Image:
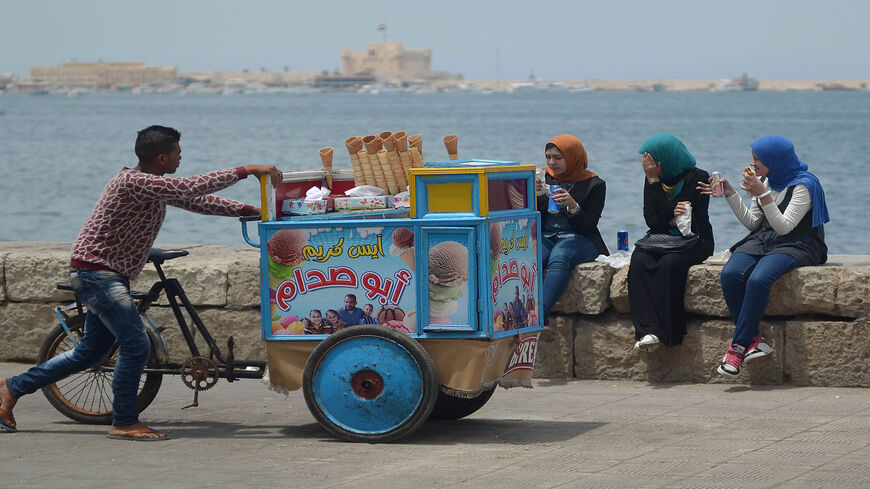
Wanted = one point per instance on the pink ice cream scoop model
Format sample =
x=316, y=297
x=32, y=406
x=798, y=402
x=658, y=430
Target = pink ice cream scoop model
x=403, y=246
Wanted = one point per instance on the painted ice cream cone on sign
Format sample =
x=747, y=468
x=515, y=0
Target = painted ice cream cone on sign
x=451, y=142
x=373, y=144
x=448, y=279
x=354, y=146
x=403, y=246
x=326, y=159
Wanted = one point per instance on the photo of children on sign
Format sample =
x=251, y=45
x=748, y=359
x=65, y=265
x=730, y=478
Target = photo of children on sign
x=322, y=280
x=514, y=274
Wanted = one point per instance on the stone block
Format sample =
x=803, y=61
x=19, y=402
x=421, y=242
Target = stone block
x=704, y=292
x=587, y=291
x=243, y=325
x=604, y=349
x=827, y=353
x=25, y=326
x=3, y=275
x=243, y=279
x=555, y=353
x=619, y=291
x=32, y=275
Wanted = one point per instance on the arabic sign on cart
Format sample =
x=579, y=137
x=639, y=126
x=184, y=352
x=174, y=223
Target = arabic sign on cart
x=325, y=279
x=514, y=274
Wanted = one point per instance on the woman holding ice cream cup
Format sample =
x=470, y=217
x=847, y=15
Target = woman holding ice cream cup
x=569, y=229
x=785, y=217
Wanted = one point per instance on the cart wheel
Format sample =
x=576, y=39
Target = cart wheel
x=452, y=407
x=370, y=383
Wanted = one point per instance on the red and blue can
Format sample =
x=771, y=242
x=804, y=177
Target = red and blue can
x=622, y=240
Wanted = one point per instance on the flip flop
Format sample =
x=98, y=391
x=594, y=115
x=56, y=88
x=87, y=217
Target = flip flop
x=132, y=436
x=5, y=418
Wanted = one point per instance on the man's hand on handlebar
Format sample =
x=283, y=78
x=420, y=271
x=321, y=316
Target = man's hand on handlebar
x=257, y=170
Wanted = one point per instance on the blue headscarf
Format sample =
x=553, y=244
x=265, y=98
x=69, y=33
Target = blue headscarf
x=786, y=170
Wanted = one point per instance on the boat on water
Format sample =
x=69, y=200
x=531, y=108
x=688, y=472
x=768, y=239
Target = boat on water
x=742, y=83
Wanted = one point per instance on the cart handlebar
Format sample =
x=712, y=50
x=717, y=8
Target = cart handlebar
x=245, y=220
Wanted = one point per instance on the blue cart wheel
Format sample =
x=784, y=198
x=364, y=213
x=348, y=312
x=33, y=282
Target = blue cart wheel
x=370, y=383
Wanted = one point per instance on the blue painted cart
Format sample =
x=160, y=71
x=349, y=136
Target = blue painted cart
x=387, y=317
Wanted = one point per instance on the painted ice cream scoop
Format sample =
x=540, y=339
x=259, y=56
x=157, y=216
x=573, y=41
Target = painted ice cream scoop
x=448, y=277
x=403, y=246
x=285, y=251
x=390, y=312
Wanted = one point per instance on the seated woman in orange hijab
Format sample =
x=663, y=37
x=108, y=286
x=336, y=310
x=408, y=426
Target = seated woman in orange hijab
x=569, y=235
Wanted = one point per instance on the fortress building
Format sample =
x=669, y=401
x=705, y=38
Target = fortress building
x=104, y=75
x=389, y=61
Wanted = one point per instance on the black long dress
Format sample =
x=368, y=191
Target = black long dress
x=657, y=284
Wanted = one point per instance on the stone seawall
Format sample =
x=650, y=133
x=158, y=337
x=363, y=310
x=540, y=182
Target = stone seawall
x=817, y=318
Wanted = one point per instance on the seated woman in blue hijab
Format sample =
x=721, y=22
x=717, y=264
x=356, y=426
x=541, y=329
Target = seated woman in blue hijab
x=657, y=282
x=785, y=217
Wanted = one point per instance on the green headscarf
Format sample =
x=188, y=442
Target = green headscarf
x=670, y=152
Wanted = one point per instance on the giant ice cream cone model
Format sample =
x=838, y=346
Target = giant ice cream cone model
x=400, y=139
x=448, y=278
x=403, y=246
x=285, y=254
x=389, y=177
x=326, y=159
x=451, y=142
x=373, y=144
x=354, y=145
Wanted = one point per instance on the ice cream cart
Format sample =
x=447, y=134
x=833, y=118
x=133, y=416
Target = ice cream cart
x=387, y=316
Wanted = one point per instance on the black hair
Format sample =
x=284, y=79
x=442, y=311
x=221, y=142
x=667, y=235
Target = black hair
x=154, y=141
x=551, y=146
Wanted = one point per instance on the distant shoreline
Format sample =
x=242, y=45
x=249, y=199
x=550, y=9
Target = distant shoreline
x=685, y=85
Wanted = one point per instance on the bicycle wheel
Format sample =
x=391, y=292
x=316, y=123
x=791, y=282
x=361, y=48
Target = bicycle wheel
x=369, y=383
x=449, y=407
x=87, y=396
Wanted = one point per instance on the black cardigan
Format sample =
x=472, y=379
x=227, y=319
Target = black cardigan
x=590, y=194
x=658, y=210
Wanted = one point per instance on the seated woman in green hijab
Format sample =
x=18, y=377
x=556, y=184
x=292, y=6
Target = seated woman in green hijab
x=657, y=281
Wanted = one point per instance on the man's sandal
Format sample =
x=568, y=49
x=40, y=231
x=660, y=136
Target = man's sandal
x=7, y=421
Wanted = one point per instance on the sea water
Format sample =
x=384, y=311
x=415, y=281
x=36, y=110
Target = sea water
x=57, y=153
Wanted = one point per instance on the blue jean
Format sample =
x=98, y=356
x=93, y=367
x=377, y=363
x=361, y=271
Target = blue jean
x=560, y=256
x=746, y=282
x=112, y=315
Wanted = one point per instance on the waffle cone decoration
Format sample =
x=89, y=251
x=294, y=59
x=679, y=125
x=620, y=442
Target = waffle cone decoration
x=373, y=144
x=366, y=167
x=416, y=141
x=390, y=178
x=400, y=139
x=416, y=157
x=326, y=159
x=393, y=157
x=451, y=142
x=354, y=145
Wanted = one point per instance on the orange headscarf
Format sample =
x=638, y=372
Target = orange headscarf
x=575, y=159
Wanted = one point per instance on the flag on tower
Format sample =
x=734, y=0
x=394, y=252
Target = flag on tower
x=382, y=27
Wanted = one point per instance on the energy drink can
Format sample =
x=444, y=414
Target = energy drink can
x=622, y=240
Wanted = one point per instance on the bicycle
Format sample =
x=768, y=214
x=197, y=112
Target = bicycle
x=86, y=397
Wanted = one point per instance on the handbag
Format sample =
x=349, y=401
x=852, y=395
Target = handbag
x=662, y=243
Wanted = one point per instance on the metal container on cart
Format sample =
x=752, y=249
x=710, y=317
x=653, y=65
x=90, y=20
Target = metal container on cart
x=386, y=317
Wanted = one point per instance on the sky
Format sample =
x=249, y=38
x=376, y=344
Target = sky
x=479, y=39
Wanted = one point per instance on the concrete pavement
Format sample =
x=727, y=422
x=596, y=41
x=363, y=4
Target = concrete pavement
x=565, y=434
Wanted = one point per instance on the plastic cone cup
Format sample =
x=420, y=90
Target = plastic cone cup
x=451, y=142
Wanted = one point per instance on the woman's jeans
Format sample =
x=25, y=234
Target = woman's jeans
x=112, y=315
x=746, y=283
x=560, y=256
